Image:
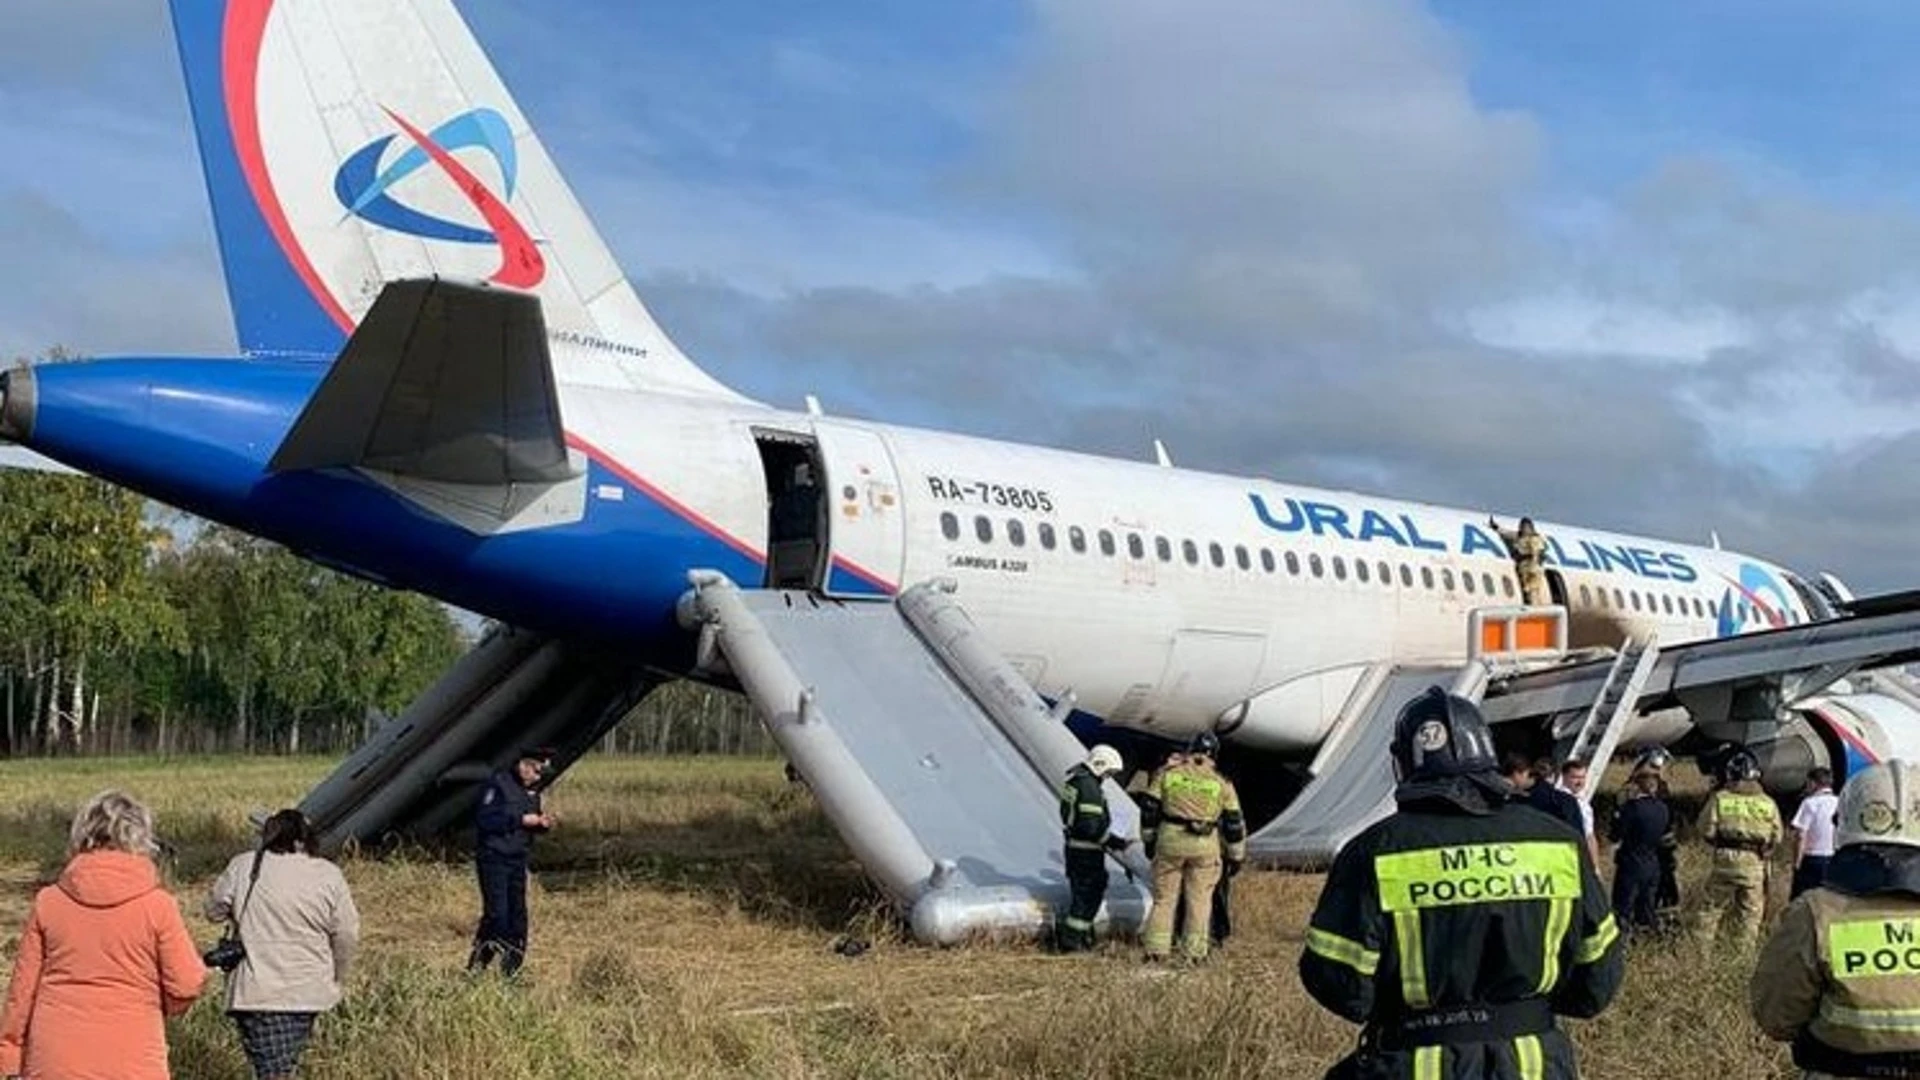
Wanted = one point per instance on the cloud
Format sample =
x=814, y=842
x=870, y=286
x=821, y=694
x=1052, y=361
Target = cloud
x=1294, y=245
x=85, y=294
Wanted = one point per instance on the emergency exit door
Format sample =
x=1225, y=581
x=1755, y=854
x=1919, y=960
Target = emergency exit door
x=866, y=532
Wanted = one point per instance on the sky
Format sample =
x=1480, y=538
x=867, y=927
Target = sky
x=1637, y=265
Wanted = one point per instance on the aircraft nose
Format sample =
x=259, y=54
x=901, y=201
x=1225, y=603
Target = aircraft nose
x=17, y=404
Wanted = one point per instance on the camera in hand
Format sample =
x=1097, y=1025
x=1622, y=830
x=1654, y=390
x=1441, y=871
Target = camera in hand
x=226, y=955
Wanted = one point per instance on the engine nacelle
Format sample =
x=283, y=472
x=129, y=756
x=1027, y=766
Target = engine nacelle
x=1844, y=732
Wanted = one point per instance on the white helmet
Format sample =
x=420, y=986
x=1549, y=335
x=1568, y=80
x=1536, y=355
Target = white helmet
x=1103, y=760
x=1881, y=805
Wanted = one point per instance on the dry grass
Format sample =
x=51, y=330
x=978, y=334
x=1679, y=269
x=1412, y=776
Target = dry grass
x=684, y=919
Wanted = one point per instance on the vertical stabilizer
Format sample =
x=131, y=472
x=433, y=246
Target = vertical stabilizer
x=349, y=143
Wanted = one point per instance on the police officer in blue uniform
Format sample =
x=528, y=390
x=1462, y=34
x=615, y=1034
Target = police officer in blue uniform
x=506, y=819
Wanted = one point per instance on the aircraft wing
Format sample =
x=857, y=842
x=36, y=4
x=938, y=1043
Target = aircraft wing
x=1710, y=678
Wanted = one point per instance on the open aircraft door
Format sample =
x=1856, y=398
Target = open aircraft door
x=866, y=529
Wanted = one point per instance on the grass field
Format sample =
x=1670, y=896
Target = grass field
x=683, y=922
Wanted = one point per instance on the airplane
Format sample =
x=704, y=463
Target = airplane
x=448, y=385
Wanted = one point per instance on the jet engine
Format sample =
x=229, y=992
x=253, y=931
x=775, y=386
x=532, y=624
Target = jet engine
x=1870, y=718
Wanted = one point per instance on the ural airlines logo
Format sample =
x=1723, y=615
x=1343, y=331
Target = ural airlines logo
x=1755, y=596
x=364, y=187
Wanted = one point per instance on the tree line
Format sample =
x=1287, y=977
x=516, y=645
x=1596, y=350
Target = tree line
x=129, y=628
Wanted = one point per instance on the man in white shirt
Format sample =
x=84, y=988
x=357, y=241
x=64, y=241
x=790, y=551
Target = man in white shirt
x=1573, y=780
x=1813, y=825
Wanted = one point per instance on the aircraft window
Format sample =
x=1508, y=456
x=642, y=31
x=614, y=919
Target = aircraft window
x=1339, y=568
x=1446, y=580
x=1192, y=552
x=1313, y=564
x=1745, y=613
x=1466, y=582
x=1077, y=539
x=1586, y=596
x=1360, y=569
x=1699, y=612
x=1219, y=557
x=1163, y=548
x=1293, y=564
x=1136, y=547
x=1486, y=581
x=1666, y=603
x=1636, y=600
x=1406, y=576
x=1241, y=557
x=1016, y=533
x=1506, y=586
x=949, y=526
x=983, y=529
x=1426, y=576
x=1386, y=573
x=1046, y=536
x=1266, y=559
x=1106, y=542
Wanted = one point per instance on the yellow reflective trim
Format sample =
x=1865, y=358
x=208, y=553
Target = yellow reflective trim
x=1079, y=924
x=1894, y=1020
x=1868, y=948
x=1559, y=919
x=1595, y=945
x=1478, y=874
x=1426, y=1063
x=1091, y=807
x=1526, y=1054
x=1340, y=950
x=1413, y=958
x=1750, y=807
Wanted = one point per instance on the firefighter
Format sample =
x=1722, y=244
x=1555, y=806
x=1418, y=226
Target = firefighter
x=1529, y=552
x=1189, y=817
x=1087, y=824
x=1742, y=825
x=1457, y=929
x=1840, y=977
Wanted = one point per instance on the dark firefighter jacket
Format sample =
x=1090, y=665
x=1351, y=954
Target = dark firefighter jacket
x=1083, y=810
x=1454, y=931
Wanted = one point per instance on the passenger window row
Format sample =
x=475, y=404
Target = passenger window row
x=1219, y=556
x=1338, y=567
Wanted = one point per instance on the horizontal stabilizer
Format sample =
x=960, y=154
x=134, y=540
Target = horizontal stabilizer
x=441, y=382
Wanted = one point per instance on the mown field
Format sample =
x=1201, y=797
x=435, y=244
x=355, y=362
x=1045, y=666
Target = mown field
x=685, y=916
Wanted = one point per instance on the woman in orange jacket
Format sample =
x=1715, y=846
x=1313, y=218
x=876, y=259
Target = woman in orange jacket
x=104, y=960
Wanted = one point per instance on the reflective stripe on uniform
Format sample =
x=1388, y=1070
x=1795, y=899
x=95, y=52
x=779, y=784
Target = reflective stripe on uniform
x=1595, y=945
x=1904, y=1021
x=1477, y=874
x=1426, y=1063
x=1527, y=1055
x=1867, y=948
x=1078, y=924
x=1413, y=959
x=1084, y=845
x=1559, y=919
x=1331, y=946
x=1091, y=808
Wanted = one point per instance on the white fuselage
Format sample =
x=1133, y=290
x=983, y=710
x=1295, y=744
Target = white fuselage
x=1161, y=597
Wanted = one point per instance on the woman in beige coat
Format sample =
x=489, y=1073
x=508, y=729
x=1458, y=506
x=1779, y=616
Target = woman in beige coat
x=299, y=927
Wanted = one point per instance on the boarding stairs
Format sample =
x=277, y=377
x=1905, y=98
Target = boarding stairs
x=933, y=758
x=1593, y=733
